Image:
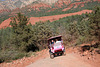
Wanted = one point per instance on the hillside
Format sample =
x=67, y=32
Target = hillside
x=38, y=8
x=6, y=23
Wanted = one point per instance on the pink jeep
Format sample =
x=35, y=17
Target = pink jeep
x=56, y=46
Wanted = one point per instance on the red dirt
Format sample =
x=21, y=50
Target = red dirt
x=39, y=5
x=75, y=5
x=6, y=23
x=52, y=9
x=26, y=60
x=69, y=7
x=82, y=5
x=93, y=60
x=77, y=0
x=97, y=0
x=60, y=3
x=4, y=10
x=31, y=7
x=14, y=11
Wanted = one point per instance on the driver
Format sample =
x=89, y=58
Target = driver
x=52, y=41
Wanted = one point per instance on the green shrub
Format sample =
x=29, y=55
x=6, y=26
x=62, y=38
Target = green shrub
x=11, y=55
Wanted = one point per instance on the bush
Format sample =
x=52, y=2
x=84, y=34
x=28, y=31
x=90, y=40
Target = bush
x=11, y=55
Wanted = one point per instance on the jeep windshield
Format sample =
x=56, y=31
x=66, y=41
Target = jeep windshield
x=58, y=43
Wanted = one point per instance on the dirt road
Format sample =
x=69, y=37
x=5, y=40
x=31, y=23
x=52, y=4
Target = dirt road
x=42, y=59
x=70, y=60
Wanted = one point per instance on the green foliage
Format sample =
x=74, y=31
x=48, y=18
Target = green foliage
x=5, y=38
x=41, y=33
x=71, y=28
x=94, y=19
x=4, y=17
x=75, y=29
x=22, y=32
x=79, y=29
x=21, y=38
x=7, y=49
x=11, y=55
x=26, y=36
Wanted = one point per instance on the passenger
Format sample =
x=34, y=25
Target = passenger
x=57, y=41
x=52, y=42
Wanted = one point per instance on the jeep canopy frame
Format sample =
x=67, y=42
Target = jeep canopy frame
x=54, y=38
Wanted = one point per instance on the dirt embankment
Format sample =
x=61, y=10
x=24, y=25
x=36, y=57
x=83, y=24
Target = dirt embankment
x=32, y=20
x=26, y=60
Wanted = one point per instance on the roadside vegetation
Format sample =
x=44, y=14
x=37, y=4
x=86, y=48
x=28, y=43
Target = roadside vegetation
x=17, y=41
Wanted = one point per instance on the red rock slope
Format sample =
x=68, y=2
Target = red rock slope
x=32, y=20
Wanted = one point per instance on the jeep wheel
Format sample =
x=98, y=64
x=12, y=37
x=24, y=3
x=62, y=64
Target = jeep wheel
x=51, y=56
x=64, y=53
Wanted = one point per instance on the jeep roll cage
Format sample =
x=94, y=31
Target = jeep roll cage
x=54, y=38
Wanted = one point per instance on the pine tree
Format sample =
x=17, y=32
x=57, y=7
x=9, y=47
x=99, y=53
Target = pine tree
x=22, y=37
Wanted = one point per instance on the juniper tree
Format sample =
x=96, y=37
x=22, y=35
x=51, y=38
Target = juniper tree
x=94, y=19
